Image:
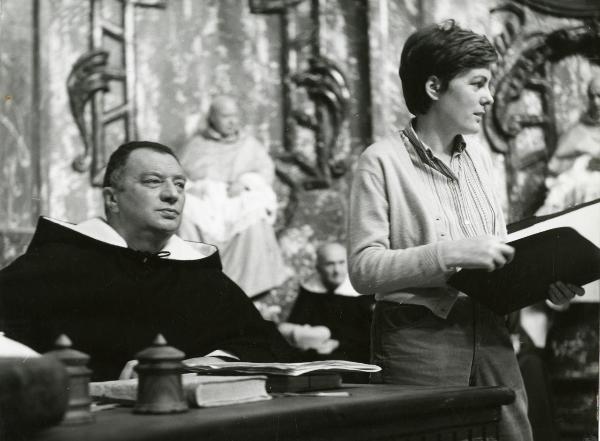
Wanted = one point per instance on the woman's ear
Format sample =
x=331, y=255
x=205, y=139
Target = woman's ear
x=110, y=199
x=433, y=87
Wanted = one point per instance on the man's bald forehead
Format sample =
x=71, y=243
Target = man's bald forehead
x=223, y=103
x=330, y=249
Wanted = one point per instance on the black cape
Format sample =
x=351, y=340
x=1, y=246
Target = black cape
x=348, y=319
x=113, y=301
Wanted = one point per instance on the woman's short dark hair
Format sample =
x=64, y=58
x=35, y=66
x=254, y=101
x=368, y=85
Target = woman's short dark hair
x=443, y=50
x=118, y=159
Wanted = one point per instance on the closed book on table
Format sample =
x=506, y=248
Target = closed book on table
x=200, y=390
x=557, y=254
x=303, y=383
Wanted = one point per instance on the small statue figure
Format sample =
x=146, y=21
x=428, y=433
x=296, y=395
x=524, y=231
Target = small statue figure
x=230, y=202
x=574, y=169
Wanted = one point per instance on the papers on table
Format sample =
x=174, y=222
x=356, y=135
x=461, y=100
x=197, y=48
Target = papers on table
x=291, y=369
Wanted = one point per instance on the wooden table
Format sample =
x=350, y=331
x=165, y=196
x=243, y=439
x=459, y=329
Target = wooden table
x=371, y=412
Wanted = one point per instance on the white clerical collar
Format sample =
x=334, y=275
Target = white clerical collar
x=315, y=284
x=215, y=135
x=97, y=228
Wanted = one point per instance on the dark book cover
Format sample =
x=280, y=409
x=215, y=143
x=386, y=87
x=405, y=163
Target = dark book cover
x=303, y=383
x=557, y=254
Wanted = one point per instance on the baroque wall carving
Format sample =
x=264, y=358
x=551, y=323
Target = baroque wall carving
x=323, y=109
x=524, y=74
x=524, y=124
x=111, y=111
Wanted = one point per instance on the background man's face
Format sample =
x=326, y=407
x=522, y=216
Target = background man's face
x=151, y=193
x=225, y=118
x=331, y=265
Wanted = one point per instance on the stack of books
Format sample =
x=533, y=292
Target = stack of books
x=226, y=382
x=289, y=377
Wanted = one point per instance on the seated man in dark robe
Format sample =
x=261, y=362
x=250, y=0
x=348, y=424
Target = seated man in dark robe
x=112, y=285
x=328, y=299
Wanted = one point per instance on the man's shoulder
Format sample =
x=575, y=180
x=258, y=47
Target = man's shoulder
x=314, y=286
x=96, y=234
x=53, y=247
x=247, y=140
x=197, y=140
x=51, y=232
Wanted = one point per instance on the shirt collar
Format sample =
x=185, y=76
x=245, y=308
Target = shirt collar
x=214, y=135
x=427, y=156
x=459, y=141
x=315, y=284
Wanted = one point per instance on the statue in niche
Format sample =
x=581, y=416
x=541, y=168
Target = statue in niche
x=574, y=169
x=229, y=199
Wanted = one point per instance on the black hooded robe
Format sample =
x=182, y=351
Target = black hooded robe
x=113, y=301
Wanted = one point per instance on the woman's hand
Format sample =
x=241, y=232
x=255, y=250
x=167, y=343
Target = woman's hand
x=560, y=293
x=486, y=252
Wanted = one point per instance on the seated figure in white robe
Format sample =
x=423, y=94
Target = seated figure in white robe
x=574, y=169
x=230, y=201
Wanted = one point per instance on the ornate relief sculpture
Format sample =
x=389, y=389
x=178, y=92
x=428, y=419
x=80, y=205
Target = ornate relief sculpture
x=327, y=90
x=89, y=75
x=525, y=69
x=90, y=80
x=327, y=87
x=562, y=8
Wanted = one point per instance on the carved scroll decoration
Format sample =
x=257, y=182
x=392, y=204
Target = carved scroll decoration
x=89, y=75
x=563, y=8
x=326, y=87
x=530, y=73
x=90, y=79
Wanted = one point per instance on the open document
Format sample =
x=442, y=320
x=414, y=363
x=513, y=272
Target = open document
x=291, y=369
x=558, y=247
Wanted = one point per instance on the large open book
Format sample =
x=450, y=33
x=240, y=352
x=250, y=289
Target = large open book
x=200, y=390
x=288, y=377
x=559, y=247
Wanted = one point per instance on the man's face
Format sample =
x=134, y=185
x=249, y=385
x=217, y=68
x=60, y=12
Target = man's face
x=464, y=102
x=331, y=266
x=151, y=193
x=225, y=119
